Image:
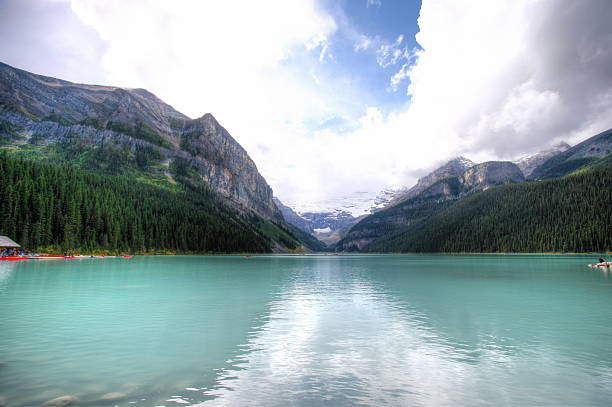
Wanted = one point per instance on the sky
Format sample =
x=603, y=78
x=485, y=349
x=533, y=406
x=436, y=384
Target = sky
x=336, y=97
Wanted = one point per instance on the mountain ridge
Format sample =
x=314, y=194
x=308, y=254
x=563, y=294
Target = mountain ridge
x=422, y=210
x=133, y=124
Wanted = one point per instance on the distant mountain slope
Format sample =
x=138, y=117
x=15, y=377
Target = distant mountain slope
x=308, y=240
x=571, y=214
x=428, y=201
x=120, y=130
x=300, y=227
x=292, y=217
x=529, y=163
x=570, y=160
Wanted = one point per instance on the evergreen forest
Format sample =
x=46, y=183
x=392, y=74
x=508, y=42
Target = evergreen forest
x=569, y=214
x=50, y=207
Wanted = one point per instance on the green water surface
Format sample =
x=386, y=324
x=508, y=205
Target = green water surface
x=392, y=330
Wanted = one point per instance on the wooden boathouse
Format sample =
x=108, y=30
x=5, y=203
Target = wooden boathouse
x=6, y=243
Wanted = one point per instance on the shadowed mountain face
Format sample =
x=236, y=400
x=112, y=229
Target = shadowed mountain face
x=119, y=130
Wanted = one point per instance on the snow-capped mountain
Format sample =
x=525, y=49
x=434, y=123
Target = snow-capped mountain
x=328, y=220
x=452, y=168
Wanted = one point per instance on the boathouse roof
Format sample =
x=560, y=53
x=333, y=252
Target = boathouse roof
x=6, y=242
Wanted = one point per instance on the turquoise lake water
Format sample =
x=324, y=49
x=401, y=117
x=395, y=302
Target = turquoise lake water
x=410, y=330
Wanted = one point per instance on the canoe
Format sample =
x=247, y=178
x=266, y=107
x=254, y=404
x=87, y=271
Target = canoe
x=13, y=258
x=46, y=257
x=126, y=257
x=605, y=264
x=80, y=256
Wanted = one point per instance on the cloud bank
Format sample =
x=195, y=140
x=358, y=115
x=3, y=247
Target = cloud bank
x=508, y=77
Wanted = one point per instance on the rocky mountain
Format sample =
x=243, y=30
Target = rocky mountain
x=122, y=130
x=438, y=194
x=452, y=168
x=574, y=158
x=529, y=163
x=491, y=207
x=567, y=214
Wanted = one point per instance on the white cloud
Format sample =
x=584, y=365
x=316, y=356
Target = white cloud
x=494, y=79
x=373, y=3
x=363, y=43
x=399, y=76
x=325, y=53
x=509, y=76
x=390, y=53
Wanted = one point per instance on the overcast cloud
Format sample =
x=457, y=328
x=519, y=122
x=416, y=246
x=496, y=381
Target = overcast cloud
x=492, y=80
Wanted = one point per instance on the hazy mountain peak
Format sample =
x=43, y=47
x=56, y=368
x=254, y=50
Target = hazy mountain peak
x=466, y=162
x=452, y=168
x=529, y=163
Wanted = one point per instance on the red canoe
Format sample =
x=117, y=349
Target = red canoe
x=13, y=258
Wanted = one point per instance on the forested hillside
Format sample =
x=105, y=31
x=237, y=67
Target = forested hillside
x=570, y=214
x=59, y=207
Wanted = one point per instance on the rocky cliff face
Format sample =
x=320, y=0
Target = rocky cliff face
x=452, y=168
x=529, y=163
x=485, y=175
x=40, y=110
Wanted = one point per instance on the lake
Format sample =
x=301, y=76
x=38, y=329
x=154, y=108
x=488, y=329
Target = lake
x=320, y=330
